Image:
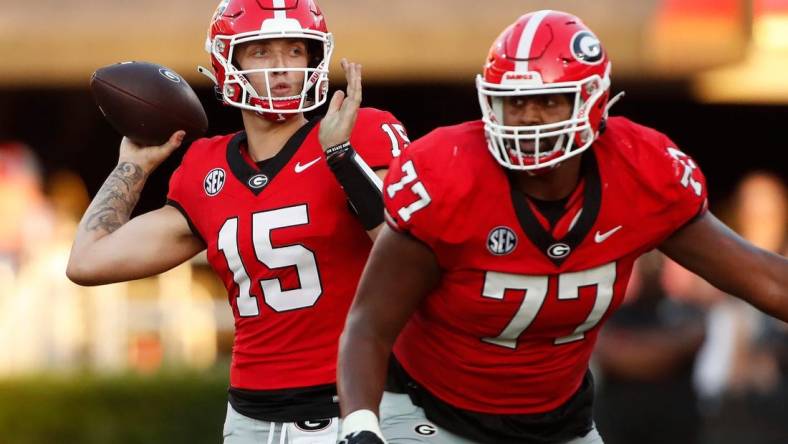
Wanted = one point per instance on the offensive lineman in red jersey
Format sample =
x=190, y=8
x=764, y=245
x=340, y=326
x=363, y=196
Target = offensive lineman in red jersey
x=490, y=284
x=286, y=226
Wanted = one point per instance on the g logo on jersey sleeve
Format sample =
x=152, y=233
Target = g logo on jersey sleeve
x=214, y=181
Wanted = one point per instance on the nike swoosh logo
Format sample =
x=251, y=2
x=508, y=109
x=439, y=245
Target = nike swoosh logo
x=601, y=237
x=300, y=168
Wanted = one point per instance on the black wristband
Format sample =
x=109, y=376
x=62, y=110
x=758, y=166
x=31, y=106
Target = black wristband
x=359, y=182
x=336, y=152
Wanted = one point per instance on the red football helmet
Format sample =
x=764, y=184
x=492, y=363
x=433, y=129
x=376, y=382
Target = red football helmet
x=544, y=52
x=240, y=21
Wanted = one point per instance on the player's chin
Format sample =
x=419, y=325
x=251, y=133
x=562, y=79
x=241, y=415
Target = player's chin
x=527, y=150
x=292, y=83
x=547, y=146
x=279, y=91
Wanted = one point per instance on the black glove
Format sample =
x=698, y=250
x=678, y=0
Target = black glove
x=362, y=437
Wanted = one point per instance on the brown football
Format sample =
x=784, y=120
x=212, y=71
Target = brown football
x=147, y=102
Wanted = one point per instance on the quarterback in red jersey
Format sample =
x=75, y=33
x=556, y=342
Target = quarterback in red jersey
x=495, y=273
x=286, y=210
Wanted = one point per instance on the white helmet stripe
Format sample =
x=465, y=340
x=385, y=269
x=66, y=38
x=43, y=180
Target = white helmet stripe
x=280, y=13
x=527, y=39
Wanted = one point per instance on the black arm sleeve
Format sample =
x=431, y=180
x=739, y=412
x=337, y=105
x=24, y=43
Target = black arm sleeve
x=361, y=184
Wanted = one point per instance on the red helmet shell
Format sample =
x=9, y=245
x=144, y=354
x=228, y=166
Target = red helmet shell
x=546, y=51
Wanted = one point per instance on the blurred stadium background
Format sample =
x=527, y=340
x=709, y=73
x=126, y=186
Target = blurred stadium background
x=146, y=361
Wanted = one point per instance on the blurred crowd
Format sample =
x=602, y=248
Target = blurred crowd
x=680, y=362
x=48, y=323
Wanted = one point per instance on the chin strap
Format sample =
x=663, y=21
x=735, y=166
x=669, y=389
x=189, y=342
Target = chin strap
x=612, y=102
x=207, y=73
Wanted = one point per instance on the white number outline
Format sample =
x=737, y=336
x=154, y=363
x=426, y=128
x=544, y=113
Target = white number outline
x=228, y=245
x=417, y=188
x=689, y=167
x=496, y=284
x=393, y=130
x=263, y=223
x=536, y=289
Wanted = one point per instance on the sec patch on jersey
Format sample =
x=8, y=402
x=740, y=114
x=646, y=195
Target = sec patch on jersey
x=147, y=102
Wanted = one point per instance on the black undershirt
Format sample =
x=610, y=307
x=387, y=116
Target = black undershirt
x=286, y=405
x=552, y=210
x=569, y=421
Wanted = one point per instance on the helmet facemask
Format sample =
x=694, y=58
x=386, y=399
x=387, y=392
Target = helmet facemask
x=544, y=52
x=534, y=147
x=239, y=92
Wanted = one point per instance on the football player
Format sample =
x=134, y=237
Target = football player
x=510, y=241
x=286, y=209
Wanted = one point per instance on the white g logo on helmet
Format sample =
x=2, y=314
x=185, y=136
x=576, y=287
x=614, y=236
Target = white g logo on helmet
x=586, y=48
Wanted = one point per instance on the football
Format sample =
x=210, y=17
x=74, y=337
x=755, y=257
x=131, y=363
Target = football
x=147, y=102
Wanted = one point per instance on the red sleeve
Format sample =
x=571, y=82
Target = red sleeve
x=175, y=192
x=378, y=137
x=409, y=193
x=685, y=185
x=667, y=189
x=184, y=183
x=178, y=197
x=674, y=192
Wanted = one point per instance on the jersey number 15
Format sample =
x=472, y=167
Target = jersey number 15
x=302, y=258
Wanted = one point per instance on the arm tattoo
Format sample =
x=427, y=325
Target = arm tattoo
x=116, y=199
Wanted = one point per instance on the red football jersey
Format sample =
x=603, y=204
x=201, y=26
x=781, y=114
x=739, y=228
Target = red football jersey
x=512, y=324
x=282, y=238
